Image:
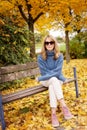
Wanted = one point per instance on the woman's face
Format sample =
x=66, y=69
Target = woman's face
x=49, y=44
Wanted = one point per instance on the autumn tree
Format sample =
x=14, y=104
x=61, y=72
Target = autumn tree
x=67, y=15
x=27, y=11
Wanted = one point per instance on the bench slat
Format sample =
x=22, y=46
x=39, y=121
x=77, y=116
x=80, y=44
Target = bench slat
x=28, y=92
x=16, y=68
x=18, y=75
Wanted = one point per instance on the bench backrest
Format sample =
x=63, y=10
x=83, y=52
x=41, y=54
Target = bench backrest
x=13, y=72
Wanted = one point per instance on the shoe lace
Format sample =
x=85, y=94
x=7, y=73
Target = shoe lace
x=65, y=110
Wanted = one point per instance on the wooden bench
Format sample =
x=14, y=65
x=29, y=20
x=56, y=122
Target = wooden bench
x=14, y=72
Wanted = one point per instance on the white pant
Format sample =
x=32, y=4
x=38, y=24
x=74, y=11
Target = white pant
x=55, y=90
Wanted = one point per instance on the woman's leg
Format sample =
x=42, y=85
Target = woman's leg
x=53, y=103
x=52, y=96
x=59, y=94
x=65, y=110
x=57, y=88
x=55, y=93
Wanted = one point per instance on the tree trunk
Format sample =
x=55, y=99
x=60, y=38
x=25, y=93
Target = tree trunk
x=30, y=21
x=67, y=46
x=85, y=43
x=31, y=36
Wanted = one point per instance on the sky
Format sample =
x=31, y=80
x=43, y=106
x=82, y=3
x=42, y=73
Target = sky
x=60, y=33
x=57, y=33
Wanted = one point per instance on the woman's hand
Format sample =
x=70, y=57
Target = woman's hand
x=37, y=79
x=67, y=80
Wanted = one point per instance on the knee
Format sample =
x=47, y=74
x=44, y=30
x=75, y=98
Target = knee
x=53, y=79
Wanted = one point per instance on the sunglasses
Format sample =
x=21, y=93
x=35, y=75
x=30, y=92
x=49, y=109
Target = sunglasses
x=51, y=43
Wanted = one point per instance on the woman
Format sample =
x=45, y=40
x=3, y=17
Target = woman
x=50, y=63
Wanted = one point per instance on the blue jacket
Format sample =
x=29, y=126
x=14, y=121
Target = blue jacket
x=50, y=67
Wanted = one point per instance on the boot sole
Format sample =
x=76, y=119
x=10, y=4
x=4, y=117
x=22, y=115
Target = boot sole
x=67, y=118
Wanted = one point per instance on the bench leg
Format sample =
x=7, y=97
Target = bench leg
x=76, y=83
x=2, y=115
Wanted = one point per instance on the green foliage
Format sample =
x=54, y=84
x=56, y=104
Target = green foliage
x=38, y=38
x=77, y=46
x=60, y=40
x=14, y=45
x=85, y=43
x=24, y=110
x=76, y=50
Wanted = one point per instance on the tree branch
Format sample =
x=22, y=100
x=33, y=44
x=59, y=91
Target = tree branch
x=38, y=16
x=22, y=13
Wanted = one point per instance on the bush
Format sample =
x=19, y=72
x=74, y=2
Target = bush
x=77, y=47
x=14, y=45
x=76, y=50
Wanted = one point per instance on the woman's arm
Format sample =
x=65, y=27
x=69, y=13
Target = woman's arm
x=42, y=66
x=59, y=64
x=46, y=73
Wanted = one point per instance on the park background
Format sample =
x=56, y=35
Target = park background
x=23, y=25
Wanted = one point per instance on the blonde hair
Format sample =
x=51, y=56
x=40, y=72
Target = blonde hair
x=56, y=48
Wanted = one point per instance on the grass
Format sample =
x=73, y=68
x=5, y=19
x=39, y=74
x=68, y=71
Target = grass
x=62, y=47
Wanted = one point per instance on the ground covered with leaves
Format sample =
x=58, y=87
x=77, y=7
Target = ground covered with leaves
x=33, y=113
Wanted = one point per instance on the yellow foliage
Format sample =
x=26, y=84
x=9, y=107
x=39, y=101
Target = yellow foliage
x=58, y=11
